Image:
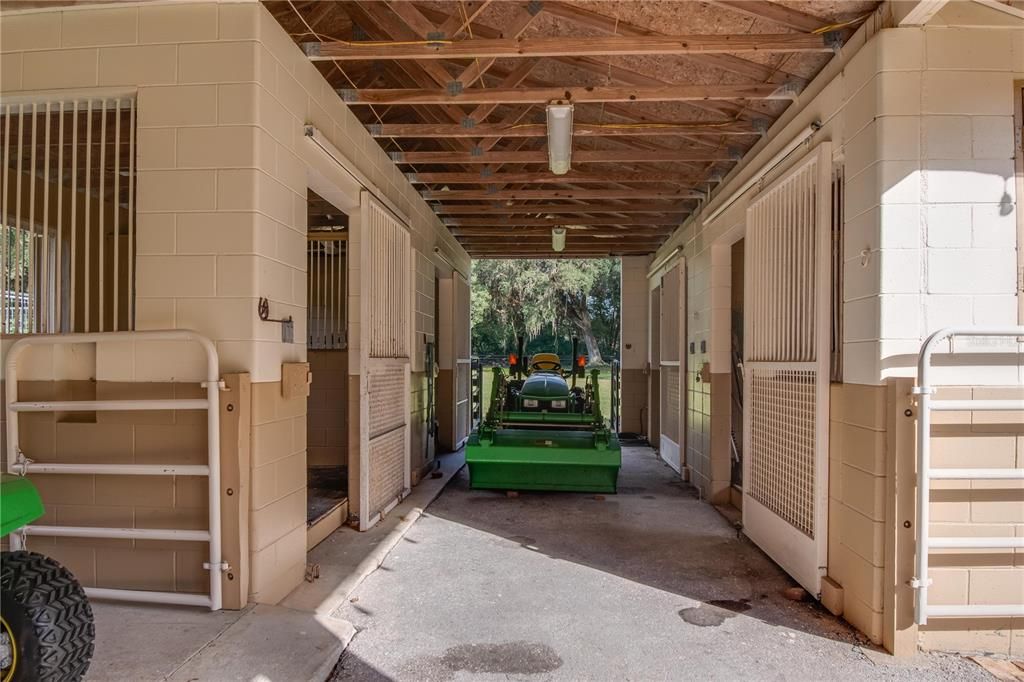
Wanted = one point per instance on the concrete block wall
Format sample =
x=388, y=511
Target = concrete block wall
x=223, y=94
x=633, y=345
x=921, y=121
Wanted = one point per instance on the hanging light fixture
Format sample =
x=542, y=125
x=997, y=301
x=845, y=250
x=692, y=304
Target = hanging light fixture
x=558, y=238
x=559, y=137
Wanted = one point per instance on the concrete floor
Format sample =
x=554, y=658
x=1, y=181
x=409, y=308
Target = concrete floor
x=649, y=584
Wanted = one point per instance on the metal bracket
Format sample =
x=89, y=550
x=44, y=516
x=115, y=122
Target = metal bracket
x=411, y=177
x=20, y=465
x=468, y=122
x=396, y=156
x=223, y=566
x=833, y=40
x=922, y=390
x=219, y=384
x=534, y=7
x=287, y=323
x=486, y=172
x=454, y=88
x=476, y=151
x=436, y=38
x=760, y=125
x=917, y=583
x=375, y=129
x=348, y=94
x=311, y=49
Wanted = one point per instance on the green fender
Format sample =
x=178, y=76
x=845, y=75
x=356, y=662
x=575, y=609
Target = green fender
x=20, y=504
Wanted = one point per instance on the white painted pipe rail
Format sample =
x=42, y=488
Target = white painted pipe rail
x=18, y=463
x=926, y=405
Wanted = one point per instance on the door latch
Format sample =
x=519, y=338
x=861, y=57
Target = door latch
x=287, y=323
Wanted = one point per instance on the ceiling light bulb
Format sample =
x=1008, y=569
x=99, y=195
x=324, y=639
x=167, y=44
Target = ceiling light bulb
x=559, y=138
x=558, y=238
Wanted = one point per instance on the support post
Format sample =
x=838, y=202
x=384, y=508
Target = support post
x=235, y=430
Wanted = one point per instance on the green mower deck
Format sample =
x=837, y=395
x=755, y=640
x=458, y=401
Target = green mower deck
x=541, y=459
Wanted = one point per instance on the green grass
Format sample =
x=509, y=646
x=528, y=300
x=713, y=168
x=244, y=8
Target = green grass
x=604, y=385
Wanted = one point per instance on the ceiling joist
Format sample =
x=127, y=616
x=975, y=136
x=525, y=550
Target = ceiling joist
x=509, y=48
x=580, y=156
x=546, y=178
x=419, y=130
x=548, y=194
x=535, y=209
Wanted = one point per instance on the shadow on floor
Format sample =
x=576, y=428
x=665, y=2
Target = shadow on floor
x=655, y=532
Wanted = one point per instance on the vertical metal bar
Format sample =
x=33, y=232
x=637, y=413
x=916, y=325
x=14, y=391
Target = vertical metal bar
x=44, y=290
x=116, y=203
x=5, y=228
x=101, y=229
x=30, y=265
x=58, y=281
x=19, y=241
x=130, y=284
x=87, y=285
x=344, y=298
x=72, y=300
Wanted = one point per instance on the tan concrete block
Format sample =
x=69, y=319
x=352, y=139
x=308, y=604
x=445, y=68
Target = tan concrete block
x=950, y=502
x=170, y=443
x=861, y=405
x=135, y=569
x=864, y=492
x=176, y=276
x=967, y=635
x=299, y=433
x=861, y=616
x=129, y=389
x=34, y=31
x=192, y=492
x=179, y=23
x=189, y=574
x=290, y=474
x=271, y=442
x=997, y=502
x=237, y=104
x=862, y=448
x=64, y=489
x=60, y=69
x=155, y=148
x=832, y=596
x=222, y=233
x=154, y=233
x=180, y=105
x=952, y=393
x=94, y=443
x=949, y=586
x=860, y=579
x=976, y=450
x=141, y=65
x=236, y=189
x=277, y=519
x=861, y=535
x=218, y=62
x=265, y=397
x=237, y=276
x=239, y=21
x=134, y=491
x=38, y=435
x=225, y=319
x=264, y=486
x=184, y=518
x=154, y=313
x=81, y=561
x=276, y=200
x=115, y=26
x=93, y=515
x=219, y=147
x=10, y=72
x=181, y=190
x=1012, y=421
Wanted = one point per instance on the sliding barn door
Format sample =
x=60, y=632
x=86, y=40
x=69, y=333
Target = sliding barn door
x=671, y=365
x=386, y=315
x=786, y=369
x=463, y=361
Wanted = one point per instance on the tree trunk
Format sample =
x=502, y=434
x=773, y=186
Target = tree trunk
x=582, y=322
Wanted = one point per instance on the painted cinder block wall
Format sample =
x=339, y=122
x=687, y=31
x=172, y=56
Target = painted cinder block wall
x=223, y=94
x=922, y=123
x=633, y=343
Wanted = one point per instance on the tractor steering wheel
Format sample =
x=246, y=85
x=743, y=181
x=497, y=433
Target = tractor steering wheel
x=546, y=366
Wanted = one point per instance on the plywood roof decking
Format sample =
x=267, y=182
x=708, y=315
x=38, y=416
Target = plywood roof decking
x=668, y=97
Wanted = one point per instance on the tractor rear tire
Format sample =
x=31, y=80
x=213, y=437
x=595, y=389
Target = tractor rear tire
x=47, y=615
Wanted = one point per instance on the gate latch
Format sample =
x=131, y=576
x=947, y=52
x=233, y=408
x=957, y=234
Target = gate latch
x=287, y=323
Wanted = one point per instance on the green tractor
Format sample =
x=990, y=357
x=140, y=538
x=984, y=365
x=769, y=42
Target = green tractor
x=544, y=430
x=46, y=624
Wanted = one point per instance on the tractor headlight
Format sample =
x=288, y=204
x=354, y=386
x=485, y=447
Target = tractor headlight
x=558, y=404
x=529, y=403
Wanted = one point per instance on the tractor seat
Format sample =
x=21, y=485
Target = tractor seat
x=546, y=362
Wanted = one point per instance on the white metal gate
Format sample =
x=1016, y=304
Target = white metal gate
x=386, y=269
x=786, y=363
x=463, y=361
x=673, y=336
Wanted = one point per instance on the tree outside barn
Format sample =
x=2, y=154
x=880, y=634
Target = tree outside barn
x=548, y=302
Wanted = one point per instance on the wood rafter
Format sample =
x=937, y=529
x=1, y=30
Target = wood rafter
x=516, y=48
x=777, y=14
x=419, y=130
x=505, y=221
x=535, y=209
x=665, y=93
x=548, y=194
x=546, y=178
x=578, y=156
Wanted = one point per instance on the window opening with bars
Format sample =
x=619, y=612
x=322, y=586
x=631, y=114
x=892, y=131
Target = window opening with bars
x=67, y=223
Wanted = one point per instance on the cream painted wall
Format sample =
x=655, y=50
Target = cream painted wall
x=921, y=120
x=223, y=167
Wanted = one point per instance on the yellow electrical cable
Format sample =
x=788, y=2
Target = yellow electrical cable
x=842, y=24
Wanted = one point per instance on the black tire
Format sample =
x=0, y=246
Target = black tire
x=49, y=617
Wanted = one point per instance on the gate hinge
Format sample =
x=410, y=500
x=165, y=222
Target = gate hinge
x=917, y=583
x=922, y=390
x=223, y=566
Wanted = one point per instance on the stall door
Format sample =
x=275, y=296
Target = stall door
x=385, y=312
x=786, y=363
x=673, y=301
x=463, y=361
